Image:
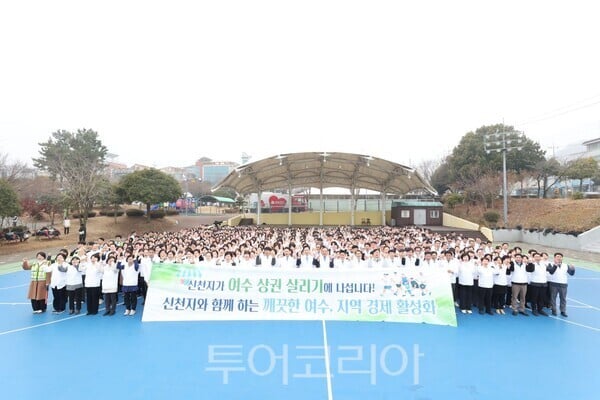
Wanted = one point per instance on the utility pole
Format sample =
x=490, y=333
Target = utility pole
x=503, y=142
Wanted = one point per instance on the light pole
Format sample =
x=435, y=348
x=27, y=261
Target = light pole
x=503, y=142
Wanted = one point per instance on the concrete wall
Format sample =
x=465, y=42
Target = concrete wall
x=559, y=240
x=455, y=222
x=312, y=218
x=234, y=221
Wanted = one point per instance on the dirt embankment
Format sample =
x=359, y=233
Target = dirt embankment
x=562, y=215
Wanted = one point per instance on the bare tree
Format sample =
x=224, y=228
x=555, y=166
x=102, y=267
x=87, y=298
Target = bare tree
x=426, y=168
x=11, y=170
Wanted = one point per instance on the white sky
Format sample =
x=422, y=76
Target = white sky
x=165, y=83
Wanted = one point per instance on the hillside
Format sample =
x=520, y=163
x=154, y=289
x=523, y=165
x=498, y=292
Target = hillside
x=564, y=215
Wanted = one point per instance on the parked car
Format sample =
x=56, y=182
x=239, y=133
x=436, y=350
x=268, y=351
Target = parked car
x=48, y=231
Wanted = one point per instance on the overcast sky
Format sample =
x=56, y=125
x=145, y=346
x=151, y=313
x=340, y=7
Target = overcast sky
x=164, y=83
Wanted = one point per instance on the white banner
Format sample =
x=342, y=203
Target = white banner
x=181, y=292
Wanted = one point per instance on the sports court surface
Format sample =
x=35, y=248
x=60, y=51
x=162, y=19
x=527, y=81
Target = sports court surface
x=486, y=357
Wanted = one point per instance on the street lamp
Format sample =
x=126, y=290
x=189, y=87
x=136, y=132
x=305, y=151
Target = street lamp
x=503, y=142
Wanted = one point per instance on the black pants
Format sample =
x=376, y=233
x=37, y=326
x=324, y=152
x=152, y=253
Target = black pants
x=498, y=297
x=508, y=296
x=485, y=299
x=75, y=297
x=110, y=302
x=130, y=300
x=142, y=287
x=38, y=305
x=466, y=296
x=538, y=296
x=59, y=302
x=455, y=292
x=66, y=230
x=92, y=299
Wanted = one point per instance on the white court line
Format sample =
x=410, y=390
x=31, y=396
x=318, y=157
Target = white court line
x=327, y=366
x=47, y=323
x=13, y=304
x=584, y=279
x=40, y=325
x=582, y=303
x=575, y=323
x=12, y=287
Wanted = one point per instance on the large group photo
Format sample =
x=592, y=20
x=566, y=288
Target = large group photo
x=320, y=199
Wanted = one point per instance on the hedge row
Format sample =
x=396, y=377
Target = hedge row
x=90, y=214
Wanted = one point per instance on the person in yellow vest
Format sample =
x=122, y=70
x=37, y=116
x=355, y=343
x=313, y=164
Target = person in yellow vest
x=38, y=287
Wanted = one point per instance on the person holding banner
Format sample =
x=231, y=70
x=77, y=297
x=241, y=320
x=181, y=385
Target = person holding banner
x=130, y=271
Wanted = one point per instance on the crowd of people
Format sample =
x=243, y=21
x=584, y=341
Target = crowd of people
x=487, y=277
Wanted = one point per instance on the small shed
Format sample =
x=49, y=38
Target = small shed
x=415, y=212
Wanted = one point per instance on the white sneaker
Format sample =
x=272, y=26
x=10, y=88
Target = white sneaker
x=100, y=301
x=132, y=312
x=126, y=312
x=469, y=312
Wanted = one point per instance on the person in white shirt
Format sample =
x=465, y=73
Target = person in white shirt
x=93, y=273
x=146, y=267
x=502, y=265
x=558, y=282
x=130, y=272
x=466, y=270
x=449, y=265
x=246, y=260
x=519, y=280
x=537, y=285
x=110, y=284
x=324, y=260
x=74, y=286
x=58, y=283
x=375, y=262
x=305, y=260
x=341, y=261
x=286, y=261
x=486, y=272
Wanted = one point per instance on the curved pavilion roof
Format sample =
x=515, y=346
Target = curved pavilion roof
x=314, y=169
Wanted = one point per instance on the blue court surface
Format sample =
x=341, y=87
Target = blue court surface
x=486, y=357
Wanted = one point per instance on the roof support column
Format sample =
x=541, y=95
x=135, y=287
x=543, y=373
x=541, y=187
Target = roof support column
x=321, y=204
x=291, y=203
x=383, y=207
x=352, y=205
x=258, y=207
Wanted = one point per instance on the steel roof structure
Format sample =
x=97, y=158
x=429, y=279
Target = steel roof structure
x=321, y=170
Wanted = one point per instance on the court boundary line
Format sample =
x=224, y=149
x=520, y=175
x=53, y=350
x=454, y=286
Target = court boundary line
x=575, y=323
x=26, y=328
x=327, y=363
x=14, y=287
x=582, y=303
x=14, y=304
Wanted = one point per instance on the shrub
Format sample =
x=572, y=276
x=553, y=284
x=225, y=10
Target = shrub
x=157, y=214
x=111, y=213
x=134, y=212
x=577, y=196
x=452, y=199
x=519, y=227
x=171, y=212
x=90, y=214
x=491, y=217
